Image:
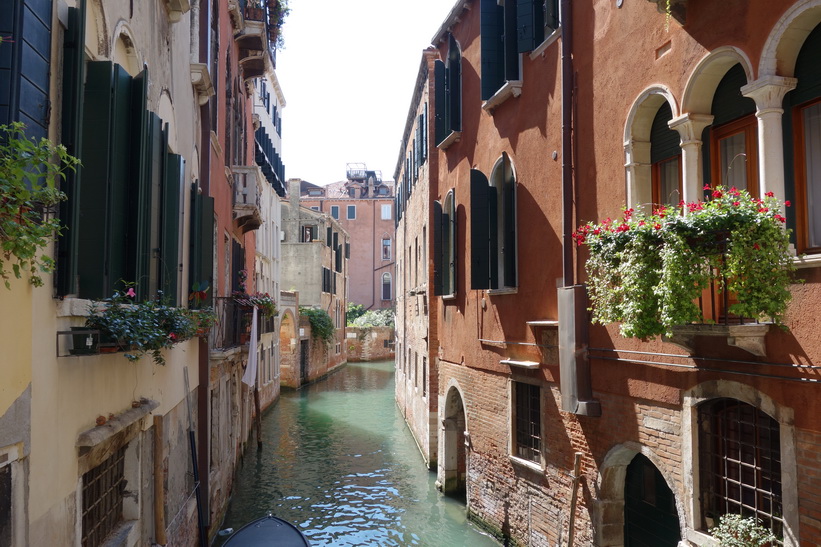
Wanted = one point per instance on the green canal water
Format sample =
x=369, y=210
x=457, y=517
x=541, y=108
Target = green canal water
x=339, y=462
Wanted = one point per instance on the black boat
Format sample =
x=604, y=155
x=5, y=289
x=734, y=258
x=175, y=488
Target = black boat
x=265, y=531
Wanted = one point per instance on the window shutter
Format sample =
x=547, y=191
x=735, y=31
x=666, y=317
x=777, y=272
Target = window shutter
x=454, y=86
x=511, y=45
x=170, y=263
x=425, y=133
x=439, y=108
x=728, y=102
x=493, y=235
x=438, y=249
x=449, y=224
x=347, y=250
x=202, y=247
x=530, y=18
x=551, y=14
x=492, y=48
x=329, y=236
x=73, y=78
x=509, y=254
x=479, y=231
x=664, y=142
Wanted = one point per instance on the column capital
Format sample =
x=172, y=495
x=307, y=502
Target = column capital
x=768, y=91
x=690, y=126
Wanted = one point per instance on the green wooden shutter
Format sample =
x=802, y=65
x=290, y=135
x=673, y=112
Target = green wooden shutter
x=439, y=105
x=454, y=87
x=511, y=44
x=492, y=48
x=510, y=233
x=329, y=236
x=551, y=14
x=347, y=250
x=202, y=248
x=438, y=250
x=530, y=24
x=139, y=214
x=73, y=79
x=479, y=231
x=664, y=142
x=170, y=263
x=493, y=236
x=728, y=102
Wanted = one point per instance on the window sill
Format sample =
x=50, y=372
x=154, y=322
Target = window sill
x=512, y=88
x=554, y=36
x=448, y=297
x=526, y=464
x=506, y=290
x=455, y=136
x=520, y=364
x=807, y=261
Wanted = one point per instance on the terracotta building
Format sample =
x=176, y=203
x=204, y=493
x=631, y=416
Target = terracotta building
x=364, y=206
x=547, y=116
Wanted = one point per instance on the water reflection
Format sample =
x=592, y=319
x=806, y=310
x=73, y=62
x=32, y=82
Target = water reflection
x=339, y=463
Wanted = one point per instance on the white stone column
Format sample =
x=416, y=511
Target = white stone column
x=768, y=93
x=638, y=172
x=690, y=127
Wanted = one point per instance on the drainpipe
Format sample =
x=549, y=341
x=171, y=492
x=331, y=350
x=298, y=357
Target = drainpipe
x=574, y=366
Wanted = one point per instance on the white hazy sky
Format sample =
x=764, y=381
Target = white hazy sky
x=348, y=72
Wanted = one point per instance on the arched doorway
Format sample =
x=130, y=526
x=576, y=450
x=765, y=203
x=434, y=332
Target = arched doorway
x=453, y=463
x=650, y=517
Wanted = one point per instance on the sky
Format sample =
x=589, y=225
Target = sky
x=348, y=71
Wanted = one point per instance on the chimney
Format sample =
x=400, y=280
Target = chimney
x=294, y=188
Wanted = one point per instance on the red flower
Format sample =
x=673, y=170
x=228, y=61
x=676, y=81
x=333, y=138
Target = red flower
x=779, y=218
x=622, y=228
x=756, y=246
x=769, y=194
x=657, y=226
x=130, y=292
x=706, y=187
x=787, y=203
x=172, y=336
x=763, y=210
x=736, y=203
x=717, y=193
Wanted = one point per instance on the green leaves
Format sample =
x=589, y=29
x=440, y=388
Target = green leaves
x=648, y=271
x=322, y=326
x=30, y=171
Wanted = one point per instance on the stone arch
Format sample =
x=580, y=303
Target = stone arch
x=787, y=37
x=611, y=482
x=453, y=443
x=703, y=81
x=287, y=332
x=124, y=51
x=717, y=389
x=96, y=44
x=637, y=129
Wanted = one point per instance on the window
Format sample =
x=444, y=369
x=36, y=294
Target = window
x=740, y=463
x=386, y=211
x=314, y=207
x=444, y=246
x=386, y=286
x=448, y=96
x=386, y=249
x=335, y=211
x=527, y=441
x=493, y=227
x=103, y=489
x=424, y=376
x=308, y=233
x=665, y=156
x=499, y=46
x=351, y=212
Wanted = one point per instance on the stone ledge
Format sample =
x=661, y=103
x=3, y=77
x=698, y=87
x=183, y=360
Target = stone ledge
x=749, y=337
x=95, y=436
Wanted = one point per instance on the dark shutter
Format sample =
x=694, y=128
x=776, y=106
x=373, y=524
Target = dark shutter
x=202, y=248
x=170, y=263
x=530, y=27
x=509, y=254
x=138, y=247
x=492, y=48
x=439, y=104
x=551, y=14
x=454, y=87
x=728, y=102
x=329, y=236
x=511, y=45
x=347, y=250
x=450, y=226
x=664, y=142
x=479, y=231
x=73, y=78
x=438, y=250
x=493, y=235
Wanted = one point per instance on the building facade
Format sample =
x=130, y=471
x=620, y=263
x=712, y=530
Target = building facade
x=363, y=205
x=315, y=261
x=554, y=427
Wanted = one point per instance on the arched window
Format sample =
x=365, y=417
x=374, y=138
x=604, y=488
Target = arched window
x=444, y=246
x=740, y=464
x=386, y=286
x=448, y=94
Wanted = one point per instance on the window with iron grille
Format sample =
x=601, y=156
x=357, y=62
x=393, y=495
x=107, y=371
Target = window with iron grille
x=740, y=460
x=527, y=421
x=103, y=489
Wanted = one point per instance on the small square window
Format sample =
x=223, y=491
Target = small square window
x=386, y=211
x=351, y=212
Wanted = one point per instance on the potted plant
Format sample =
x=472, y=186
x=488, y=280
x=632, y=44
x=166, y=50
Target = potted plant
x=30, y=170
x=738, y=531
x=140, y=328
x=648, y=271
x=263, y=301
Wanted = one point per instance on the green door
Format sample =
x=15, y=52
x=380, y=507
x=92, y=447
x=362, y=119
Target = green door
x=650, y=517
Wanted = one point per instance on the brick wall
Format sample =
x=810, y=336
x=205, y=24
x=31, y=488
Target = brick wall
x=370, y=343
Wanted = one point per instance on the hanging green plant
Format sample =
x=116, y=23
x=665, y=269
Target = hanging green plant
x=322, y=326
x=30, y=171
x=738, y=531
x=647, y=271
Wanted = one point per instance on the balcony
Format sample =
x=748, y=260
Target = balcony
x=247, y=196
x=252, y=36
x=233, y=326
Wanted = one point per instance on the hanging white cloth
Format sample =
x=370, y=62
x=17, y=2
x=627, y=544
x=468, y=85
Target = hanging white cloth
x=250, y=376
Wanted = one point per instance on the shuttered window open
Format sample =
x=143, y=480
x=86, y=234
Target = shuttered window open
x=492, y=47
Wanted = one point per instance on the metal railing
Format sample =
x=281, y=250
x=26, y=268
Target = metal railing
x=232, y=326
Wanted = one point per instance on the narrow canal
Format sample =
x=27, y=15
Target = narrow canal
x=339, y=462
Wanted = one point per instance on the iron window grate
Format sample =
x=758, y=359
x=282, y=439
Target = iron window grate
x=740, y=454
x=528, y=422
x=103, y=498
